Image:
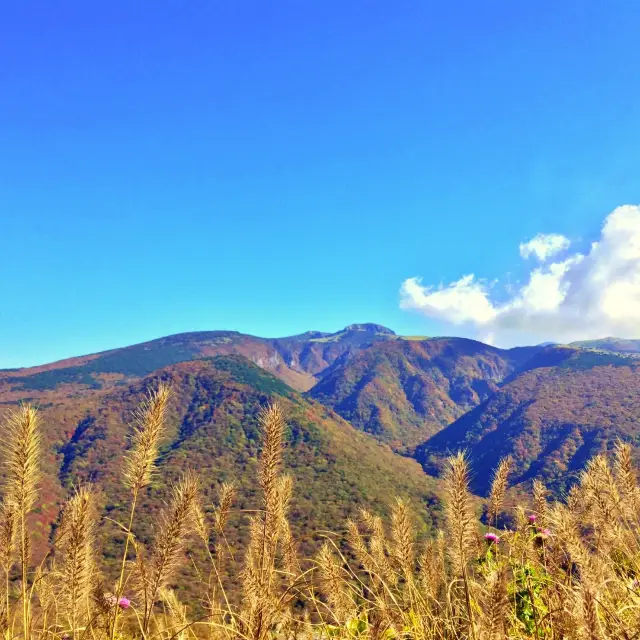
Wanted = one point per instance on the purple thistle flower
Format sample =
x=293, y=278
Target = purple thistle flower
x=532, y=518
x=124, y=603
x=491, y=538
x=545, y=533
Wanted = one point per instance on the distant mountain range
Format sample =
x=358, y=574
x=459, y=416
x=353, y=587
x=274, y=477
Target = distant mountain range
x=356, y=399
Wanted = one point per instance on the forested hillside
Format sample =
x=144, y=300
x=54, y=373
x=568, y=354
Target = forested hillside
x=406, y=390
x=212, y=424
x=550, y=419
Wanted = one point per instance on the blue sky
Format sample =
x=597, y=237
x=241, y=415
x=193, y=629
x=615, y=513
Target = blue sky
x=273, y=167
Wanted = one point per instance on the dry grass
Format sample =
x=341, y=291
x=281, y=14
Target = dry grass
x=567, y=569
x=78, y=570
x=22, y=453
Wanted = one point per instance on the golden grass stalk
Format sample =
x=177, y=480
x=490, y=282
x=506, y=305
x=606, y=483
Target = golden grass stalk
x=261, y=576
x=540, y=503
x=177, y=613
x=45, y=581
x=8, y=526
x=333, y=584
x=403, y=536
x=254, y=590
x=433, y=573
x=200, y=525
x=140, y=463
x=627, y=481
x=593, y=571
x=378, y=548
x=289, y=555
x=599, y=488
x=272, y=425
x=176, y=523
x=22, y=459
x=76, y=542
x=149, y=428
x=498, y=489
x=226, y=496
x=495, y=602
x=590, y=627
x=460, y=519
x=460, y=525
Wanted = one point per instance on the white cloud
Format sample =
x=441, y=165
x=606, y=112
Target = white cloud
x=583, y=296
x=463, y=301
x=544, y=245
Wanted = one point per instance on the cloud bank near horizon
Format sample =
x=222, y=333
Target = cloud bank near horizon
x=577, y=297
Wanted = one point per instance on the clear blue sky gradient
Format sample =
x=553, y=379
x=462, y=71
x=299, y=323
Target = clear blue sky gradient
x=273, y=167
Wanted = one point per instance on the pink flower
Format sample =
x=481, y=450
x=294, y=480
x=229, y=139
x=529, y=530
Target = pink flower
x=545, y=533
x=532, y=518
x=124, y=603
x=491, y=538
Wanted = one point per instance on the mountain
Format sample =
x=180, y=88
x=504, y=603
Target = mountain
x=298, y=360
x=403, y=391
x=213, y=429
x=620, y=345
x=565, y=406
x=550, y=407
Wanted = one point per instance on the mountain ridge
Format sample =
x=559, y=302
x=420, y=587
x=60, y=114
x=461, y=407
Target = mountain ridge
x=609, y=343
x=297, y=359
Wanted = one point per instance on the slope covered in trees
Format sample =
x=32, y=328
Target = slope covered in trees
x=550, y=419
x=405, y=390
x=212, y=428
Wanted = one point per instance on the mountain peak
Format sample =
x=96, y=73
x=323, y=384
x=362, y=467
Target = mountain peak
x=370, y=327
